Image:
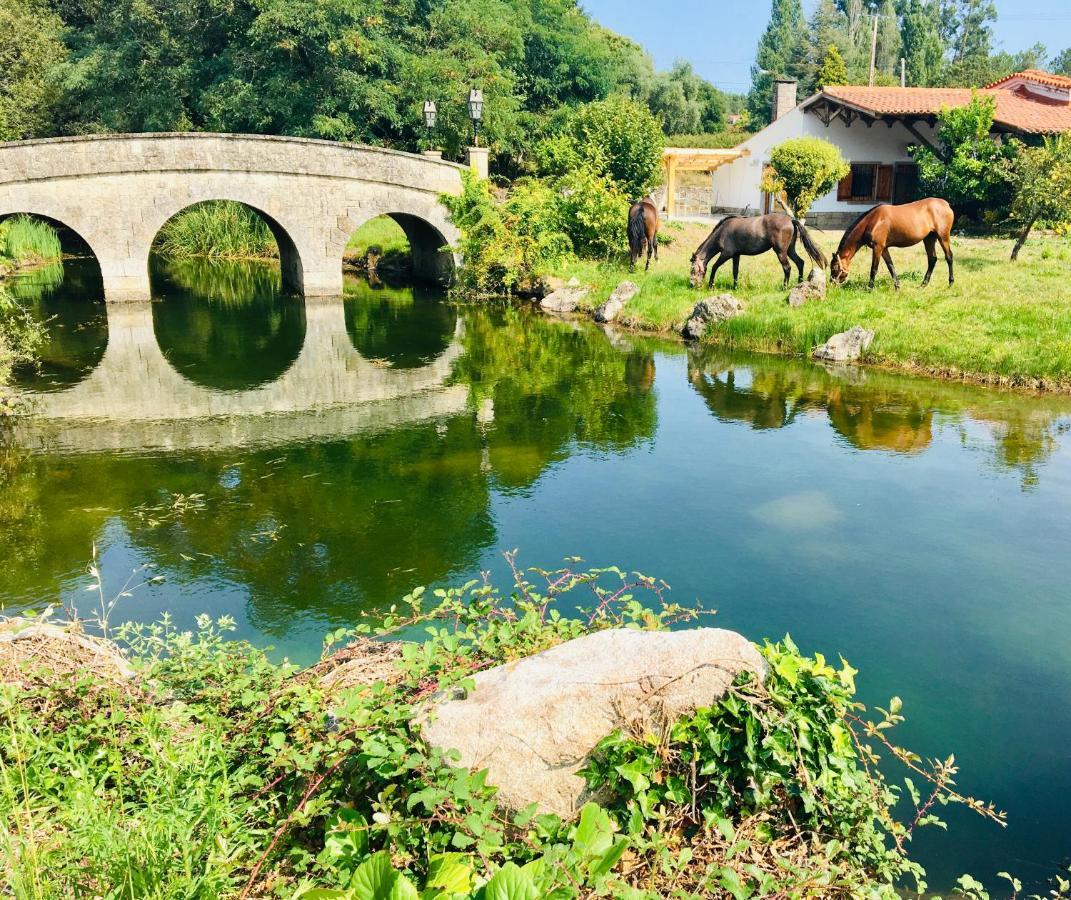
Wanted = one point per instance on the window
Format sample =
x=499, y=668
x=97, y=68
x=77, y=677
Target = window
x=866, y=183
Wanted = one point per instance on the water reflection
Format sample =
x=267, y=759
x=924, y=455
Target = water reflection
x=70, y=297
x=399, y=327
x=224, y=325
x=873, y=410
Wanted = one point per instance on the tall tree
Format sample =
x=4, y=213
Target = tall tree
x=827, y=28
x=887, y=57
x=777, y=48
x=923, y=45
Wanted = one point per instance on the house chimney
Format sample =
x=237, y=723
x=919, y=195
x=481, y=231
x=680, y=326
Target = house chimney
x=784, y=97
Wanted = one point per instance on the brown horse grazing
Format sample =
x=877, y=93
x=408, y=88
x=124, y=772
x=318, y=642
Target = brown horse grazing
x=736, y=236
x=642, y=229
x=924, y=221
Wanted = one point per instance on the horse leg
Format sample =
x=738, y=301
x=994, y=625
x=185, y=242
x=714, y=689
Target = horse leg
x=878, y=253
x=931, y=256
x=736, y=271
x=887, y=256
x=650, y=250
x=946, y=245
x=797, y=259
x=722, y=258
x=783, y=258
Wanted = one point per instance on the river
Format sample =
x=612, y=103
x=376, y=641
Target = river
x=232, y=450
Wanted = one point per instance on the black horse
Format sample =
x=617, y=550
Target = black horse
x=736, y=236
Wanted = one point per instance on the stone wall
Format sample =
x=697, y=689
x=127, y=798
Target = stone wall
x=117, y=191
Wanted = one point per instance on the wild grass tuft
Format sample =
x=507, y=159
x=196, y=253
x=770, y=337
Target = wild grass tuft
x=219, y=229
x=27, y=240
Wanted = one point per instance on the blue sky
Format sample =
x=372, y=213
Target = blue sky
x=719, y=36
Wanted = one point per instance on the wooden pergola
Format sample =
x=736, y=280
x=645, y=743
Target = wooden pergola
x=692, y=159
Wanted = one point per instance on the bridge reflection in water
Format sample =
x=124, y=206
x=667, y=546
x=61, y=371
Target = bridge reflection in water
x=135, y=399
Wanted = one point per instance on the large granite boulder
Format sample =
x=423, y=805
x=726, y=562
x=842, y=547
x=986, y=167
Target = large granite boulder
x=847, y=346
x=713, y=309
x=565, y=299
x=532, y=723
x=622, y=294
x=814, y=288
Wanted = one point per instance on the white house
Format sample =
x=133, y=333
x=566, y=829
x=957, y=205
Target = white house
x=874, y=127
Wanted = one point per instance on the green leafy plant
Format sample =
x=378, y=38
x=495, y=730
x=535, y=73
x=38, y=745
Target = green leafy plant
x=969, y=169
x=218, y=773
x=1042, y=179
x=804, y=169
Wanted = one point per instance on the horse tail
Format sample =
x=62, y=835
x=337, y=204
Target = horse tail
x=813, y=250
x=637, y=228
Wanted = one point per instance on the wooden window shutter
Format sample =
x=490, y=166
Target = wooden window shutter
x=885, y=179
x=844, y=188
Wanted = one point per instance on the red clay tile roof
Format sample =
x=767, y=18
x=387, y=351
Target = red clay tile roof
x=1013, y=110
x=1036, y=75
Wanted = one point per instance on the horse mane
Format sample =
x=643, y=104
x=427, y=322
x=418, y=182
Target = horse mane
x=851, y=228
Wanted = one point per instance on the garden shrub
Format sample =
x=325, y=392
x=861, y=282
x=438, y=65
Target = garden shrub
x=804, y=169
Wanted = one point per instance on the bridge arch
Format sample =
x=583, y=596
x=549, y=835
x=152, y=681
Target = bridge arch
x=289, y=255
x=432, y=258
x=118, y=190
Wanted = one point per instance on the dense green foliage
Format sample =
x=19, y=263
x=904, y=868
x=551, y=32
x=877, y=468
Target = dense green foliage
x=598, y=158
x=804, y=169
x=970, y=168
x=30, y=46
x=616, y=139
x=219, y=773
x=944, y=42
x=355, y=70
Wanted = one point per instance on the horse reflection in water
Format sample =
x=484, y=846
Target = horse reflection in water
x=775, y=396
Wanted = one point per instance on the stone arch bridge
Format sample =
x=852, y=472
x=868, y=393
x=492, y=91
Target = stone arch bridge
x=117, y=191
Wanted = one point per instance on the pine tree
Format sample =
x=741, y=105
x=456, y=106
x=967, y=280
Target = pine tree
x=828, y=27
x=923, y=46
x=778, y=46
x=833, y=70
x=888, y=50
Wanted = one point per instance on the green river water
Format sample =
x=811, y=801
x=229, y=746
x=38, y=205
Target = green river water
x=291, y=464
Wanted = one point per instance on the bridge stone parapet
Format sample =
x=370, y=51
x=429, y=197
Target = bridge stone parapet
x=117, y=191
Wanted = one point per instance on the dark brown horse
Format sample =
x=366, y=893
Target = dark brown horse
x=736, y=236
x=927, y=222
x=642, y=229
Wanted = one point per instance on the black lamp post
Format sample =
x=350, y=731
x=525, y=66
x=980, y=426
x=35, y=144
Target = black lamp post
x=476, y=113
x=431, y=112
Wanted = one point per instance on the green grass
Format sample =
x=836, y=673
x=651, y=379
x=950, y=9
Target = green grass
x=381, y=233
x=220, y=229
x=1000, y=323
x=26, y=240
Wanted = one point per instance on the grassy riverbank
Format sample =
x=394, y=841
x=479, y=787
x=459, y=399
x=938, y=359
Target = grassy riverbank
x=214, y=772
x=1001, y=323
